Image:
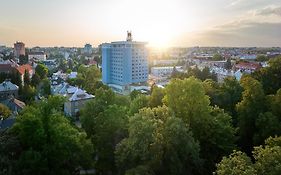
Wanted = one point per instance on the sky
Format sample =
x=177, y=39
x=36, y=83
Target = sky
x=161, y=23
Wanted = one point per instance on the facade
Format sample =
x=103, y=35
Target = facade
x=76, y=101
x=37, y=56
x=248, y=67
x=19, y=49
x=22, y=68
x=8, y=66
x=164, y=71
x=124, y=63
x=88, y=49
x=75, y=98
x=14, y=104
x=8, y=89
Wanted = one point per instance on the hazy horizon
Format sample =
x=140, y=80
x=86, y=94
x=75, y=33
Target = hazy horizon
x=162, y=23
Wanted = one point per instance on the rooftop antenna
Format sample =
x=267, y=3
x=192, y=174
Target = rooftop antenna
x=129, y=36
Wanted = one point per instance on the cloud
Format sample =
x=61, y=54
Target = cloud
x=270, y=11
x=239, y=33
x=251, y=4
x=258, y=26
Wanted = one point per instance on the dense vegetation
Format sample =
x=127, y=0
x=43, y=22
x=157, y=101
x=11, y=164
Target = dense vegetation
x=189, y=127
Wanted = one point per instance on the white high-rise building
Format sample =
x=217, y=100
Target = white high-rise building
x=124, y=63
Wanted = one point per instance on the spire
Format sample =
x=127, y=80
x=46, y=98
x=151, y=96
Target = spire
x=129, y=36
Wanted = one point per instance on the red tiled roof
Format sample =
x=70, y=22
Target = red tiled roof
x=245, y=65
x=24, y=67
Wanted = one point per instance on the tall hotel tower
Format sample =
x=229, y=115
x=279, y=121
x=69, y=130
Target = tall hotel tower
x=124, y=63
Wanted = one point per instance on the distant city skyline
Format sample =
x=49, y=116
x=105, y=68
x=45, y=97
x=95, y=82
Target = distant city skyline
x=162, y=23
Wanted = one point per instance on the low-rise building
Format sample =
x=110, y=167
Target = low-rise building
x=164, y=71
x=248, y=67
x=75, y=101
x=8, y=89
x=26, y=67
x=37, y=56
x=14, y=104
x=75, y=98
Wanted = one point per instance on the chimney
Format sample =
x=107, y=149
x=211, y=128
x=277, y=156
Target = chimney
x=129, y=36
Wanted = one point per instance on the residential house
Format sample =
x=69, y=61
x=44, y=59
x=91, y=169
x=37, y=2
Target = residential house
x=8, y=89
x=75, y=101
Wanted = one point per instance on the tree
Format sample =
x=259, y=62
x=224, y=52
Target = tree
x=87, y=77
x=156, y=97
x=225, y=95
x=217, y=57
x=134, y=94
x=103, y=99
x=270, y=76
x=26, y=78
x=5, y=112
x=158, y=143
x=248, y=110
x=267, y=160
x=141, y=101
x=29, y=93
x=228, y=64
x=10, y=150
x=262, y=58
x=46, y=87
x=110, y=129
x=267, y=125
x=51, y=145
x=211, y=126
x=23, y=59
x=187, y=99
x=35, y=80
x=237, y=163
x=42, y=71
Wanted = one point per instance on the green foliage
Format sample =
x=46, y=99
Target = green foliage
x=46, y=87
x=49, y=141
x=156, y=97
x=141, y=101
x=35, y=80
x=211, y=127
x=228, y=64
x=270, y=77
x=103, y=99
x=157, y=143
x=267, y=161
x=5, y=112
x=28, y=94
x=10, y=150
x=248, y=109
x=262, y=58
x=134, y=94
x=217, y=57
x=267, y=125
x=26, y=78
x=87, y=78
x=23, y=59
x=225, y=95
x=105, y=121
x=42, y=71
x=195, y=72
x=237, y=163
x=110, y=129
x=187, y=99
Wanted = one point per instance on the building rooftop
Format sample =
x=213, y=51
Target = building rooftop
x=8, y=86
x=36, y=53
x=80, y=95
x=24, y=67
